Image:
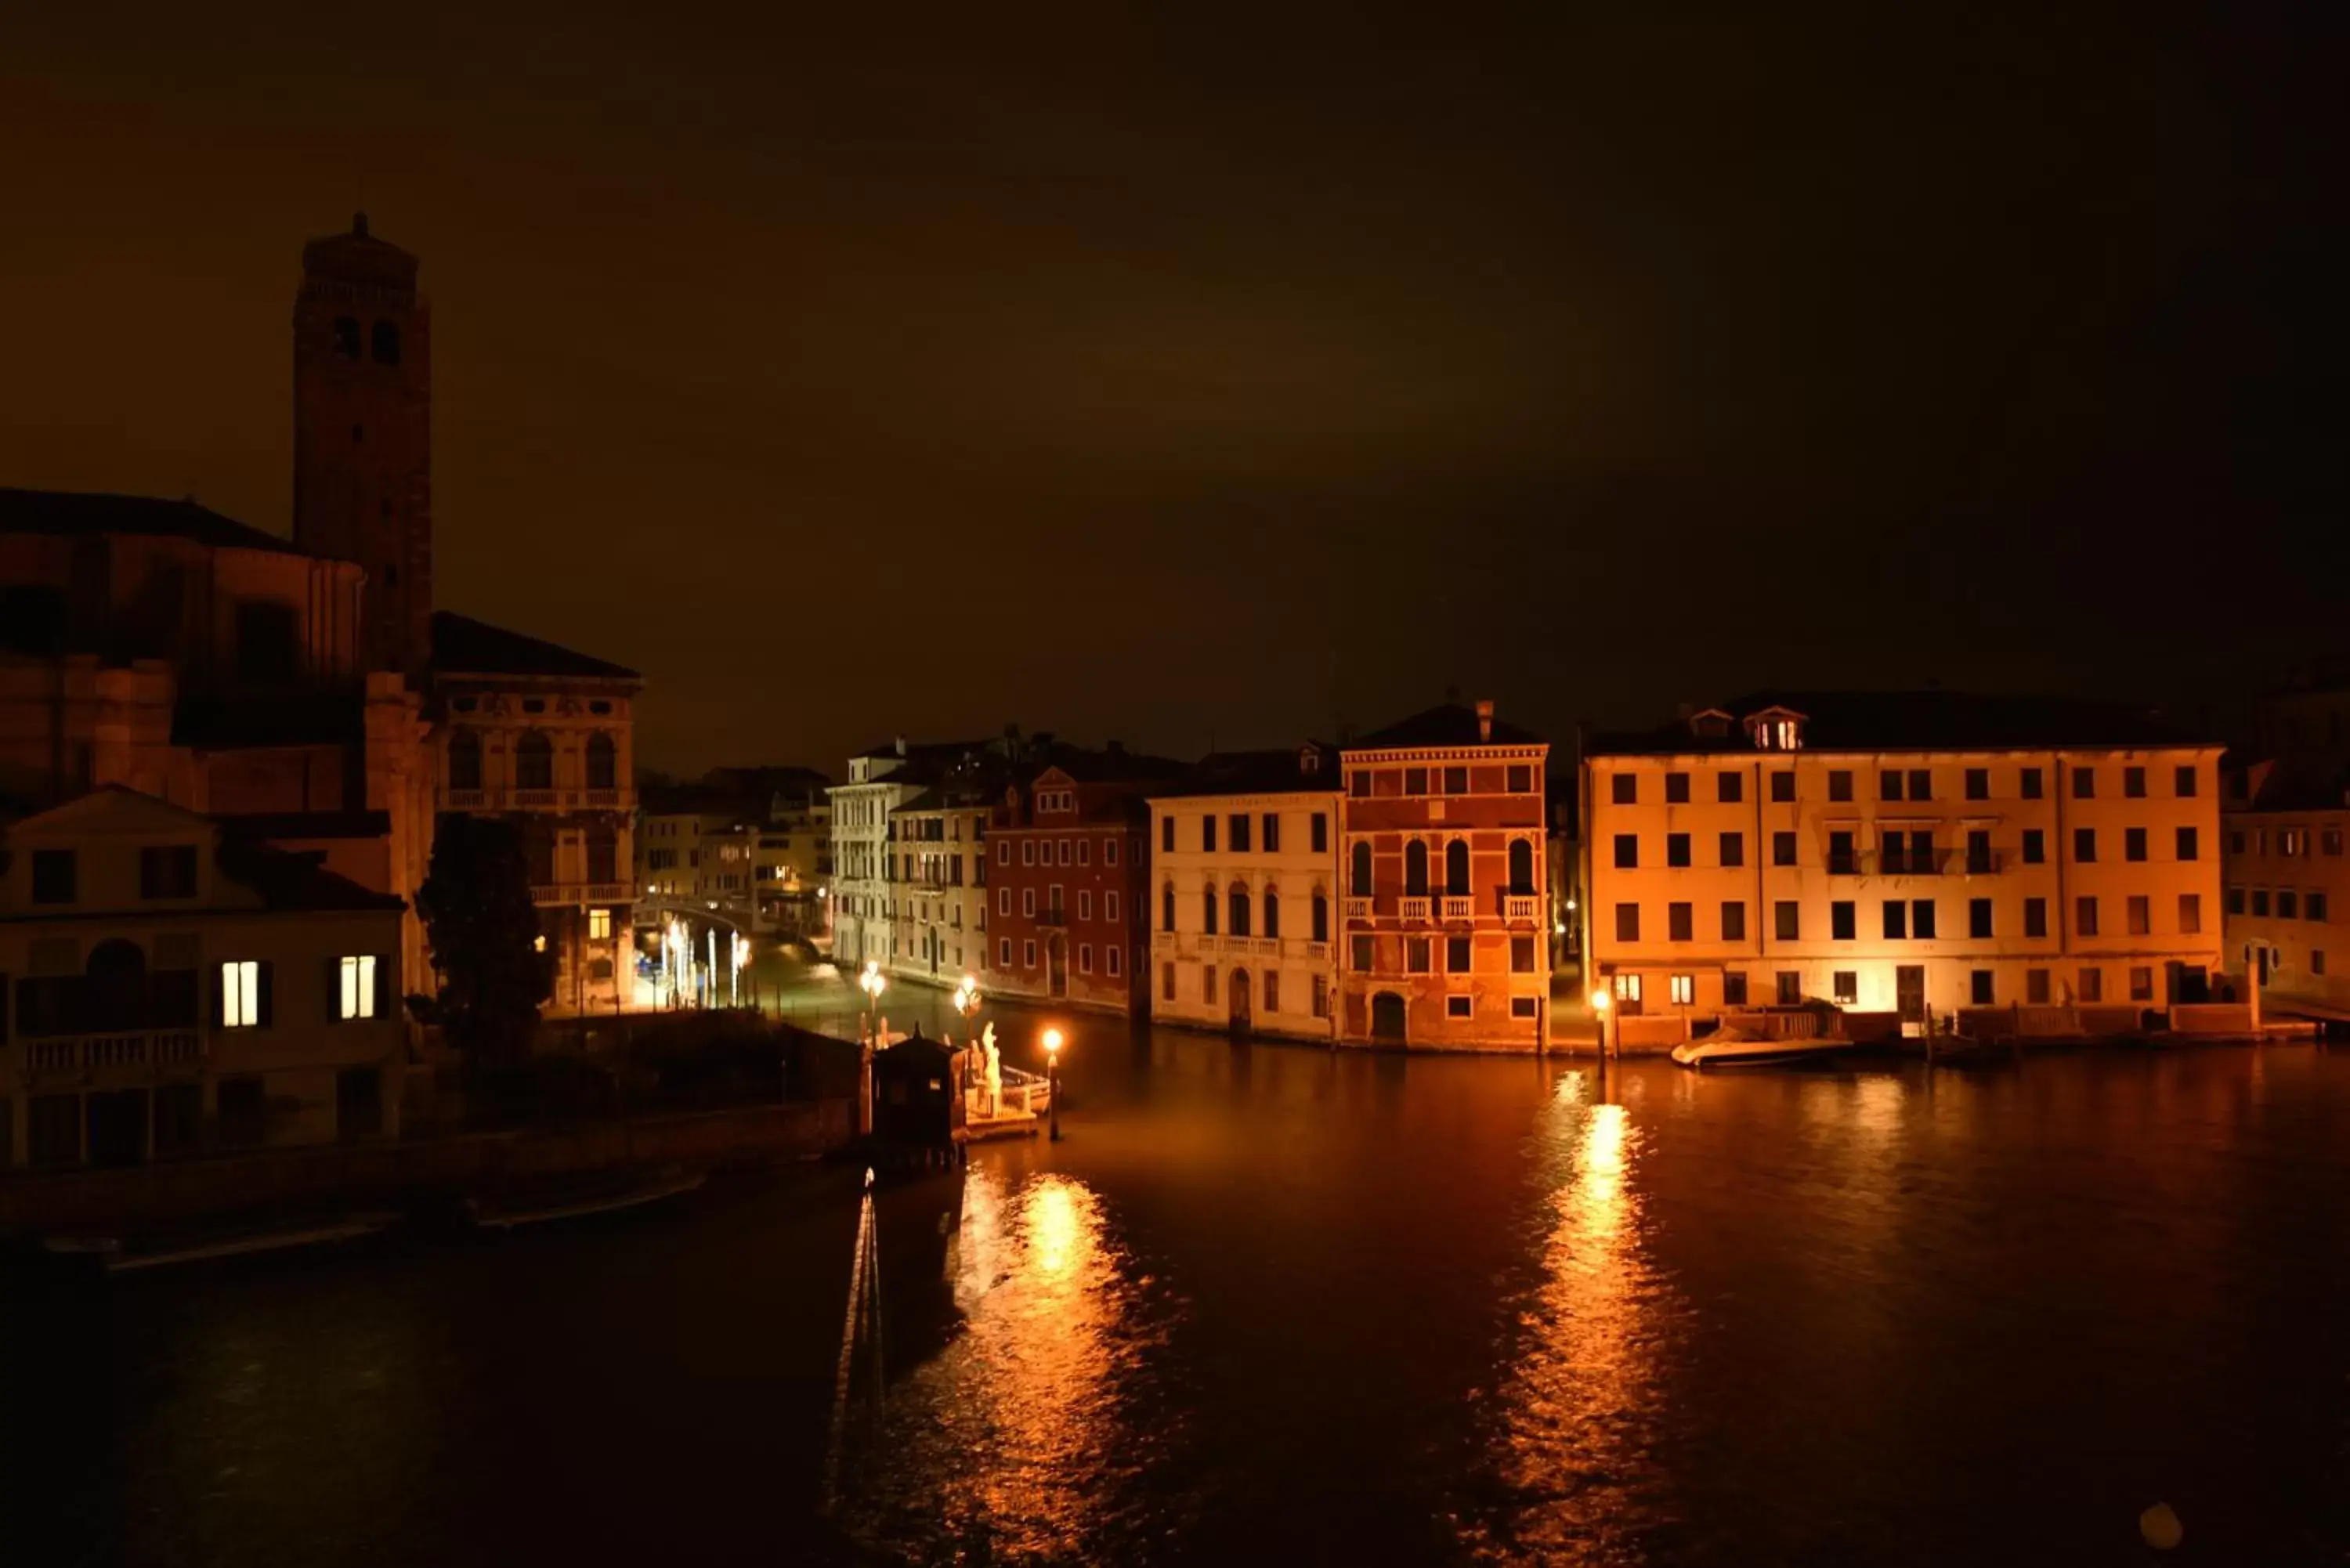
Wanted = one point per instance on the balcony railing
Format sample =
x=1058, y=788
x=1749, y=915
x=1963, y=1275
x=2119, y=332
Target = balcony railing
x=609, y=798
x=1905, y=863
x=1358, y=908
x=1519, y=907
x=1984, y=863
x=1458, y=909
x=562, y=895
x=1416, y=910
x=1053, y=915
x=79, y=1056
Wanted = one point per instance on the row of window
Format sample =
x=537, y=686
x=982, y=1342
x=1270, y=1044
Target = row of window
x=1420, y=953
x=1912, y=852
x=1236, y=904
x=116, y=992
x=1906, y=919
x=165, y=871
x=2285, y=903
x=1457, y=885
x=1902, y=784
x=1113, y=957
x=1317, y=1002
x=1057, y=909
x=64, y=1130
x=1041, y=852
x=2292, y=842
x=1241, y=827
x=1844, y=986
x=1517, y=778
x=534, y=754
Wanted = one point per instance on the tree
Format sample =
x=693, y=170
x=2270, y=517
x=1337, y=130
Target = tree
x=484, y=931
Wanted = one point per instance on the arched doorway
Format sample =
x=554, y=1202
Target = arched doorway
x=1386, y=1018
x=1243, y=1015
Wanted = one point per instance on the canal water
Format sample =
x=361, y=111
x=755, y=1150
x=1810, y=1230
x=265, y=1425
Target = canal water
x=1265, y=1303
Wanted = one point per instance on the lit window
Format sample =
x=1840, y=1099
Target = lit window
x=1684, y=988
x=241, y=994
x=358, y=987
x=599, y=923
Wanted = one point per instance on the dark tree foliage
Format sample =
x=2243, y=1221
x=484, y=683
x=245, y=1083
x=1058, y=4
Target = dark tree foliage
x=483, y=927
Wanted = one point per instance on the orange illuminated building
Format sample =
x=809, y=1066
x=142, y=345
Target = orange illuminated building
x=1901, y=853
x=1445, y=885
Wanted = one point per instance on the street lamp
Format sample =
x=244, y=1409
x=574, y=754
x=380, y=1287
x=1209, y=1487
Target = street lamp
x=1601, y=1003
x=871, y=983
x=1053, y=1081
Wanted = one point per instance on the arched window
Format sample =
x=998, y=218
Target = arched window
x=601, y=766
x=535, y=762
x=1272, y=913
x=1321, y=917
x=1358, y=885
x=387, y=343
x=1208, y=909
x=1456, y=869
x=347, y=337
x=1167, y=908
x=465, y=760
x=1522, y=867
x=1415, y=869
x=1239, y=900
x=115, y=994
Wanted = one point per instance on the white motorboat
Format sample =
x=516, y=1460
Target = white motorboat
x=1726, y=1049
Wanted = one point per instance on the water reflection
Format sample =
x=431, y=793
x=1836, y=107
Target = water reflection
x=1019, y=1435
x=1572, y=1452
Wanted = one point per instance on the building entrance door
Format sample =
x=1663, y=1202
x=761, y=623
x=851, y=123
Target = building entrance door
x=1910, y=992
x=1242, y=1000
x=118, y=1127
x=1388, y=1018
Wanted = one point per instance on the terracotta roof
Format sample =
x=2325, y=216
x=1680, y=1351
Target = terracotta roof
x=75, y=512
x=1914, y=720
x=463, y=646
x=1446, y=724
x=287, y=881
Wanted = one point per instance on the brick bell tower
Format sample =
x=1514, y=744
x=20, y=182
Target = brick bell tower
x=363, y=434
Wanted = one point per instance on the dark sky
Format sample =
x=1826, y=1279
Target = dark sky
x=1157, y=372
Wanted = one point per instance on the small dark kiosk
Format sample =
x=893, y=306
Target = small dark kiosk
x=916, y=1106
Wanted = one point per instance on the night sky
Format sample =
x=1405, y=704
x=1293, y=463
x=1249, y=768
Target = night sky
x=1203, y=371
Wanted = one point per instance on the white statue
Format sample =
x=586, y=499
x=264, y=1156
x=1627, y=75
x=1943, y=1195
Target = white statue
x=995, y=1070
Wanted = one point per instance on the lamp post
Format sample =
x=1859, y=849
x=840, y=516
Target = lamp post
x=871, y=983
x=1053, y=1082
x=1602, y=1006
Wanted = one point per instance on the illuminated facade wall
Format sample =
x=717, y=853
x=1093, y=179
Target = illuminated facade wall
x=1445, y=895
x=940, y=882
x=1067, y=878
x=1902, y=880
x=2288, y=884
x=1244, y=912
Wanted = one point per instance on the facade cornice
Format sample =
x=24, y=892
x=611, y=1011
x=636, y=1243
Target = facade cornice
x=1534, y=751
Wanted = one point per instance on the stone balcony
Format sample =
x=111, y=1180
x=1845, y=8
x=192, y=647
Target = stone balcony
x=123, y=1057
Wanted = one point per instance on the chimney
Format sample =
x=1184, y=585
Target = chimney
x=1485, y=720
x=901, y=745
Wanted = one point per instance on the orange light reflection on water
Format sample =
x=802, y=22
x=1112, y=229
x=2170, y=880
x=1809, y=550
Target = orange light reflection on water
x=1578, y=1387
x=1017, y=1431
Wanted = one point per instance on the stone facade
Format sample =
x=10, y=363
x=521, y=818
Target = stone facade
x=1445, y=898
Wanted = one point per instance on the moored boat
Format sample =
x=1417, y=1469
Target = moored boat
x=1726, y=1049
x=118, y=1256
x=573, y=1197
